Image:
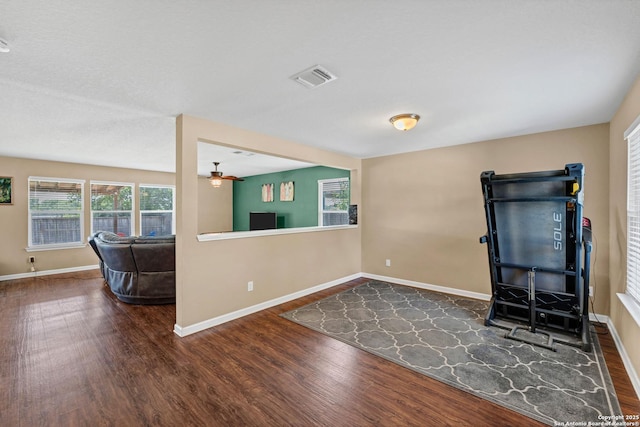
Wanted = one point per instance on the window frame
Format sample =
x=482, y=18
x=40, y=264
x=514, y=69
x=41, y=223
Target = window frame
x=321, y=211
x=631, y=296
x=632, y=136
x=132, y=231
x=80, y=212
x=173, y=205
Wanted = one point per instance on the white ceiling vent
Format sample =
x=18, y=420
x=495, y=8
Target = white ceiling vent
x=243, y=153
x=314, y=76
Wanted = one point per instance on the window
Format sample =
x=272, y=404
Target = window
x=157, y=216
x=632, y=135
x=56, y=212
x=112, y=207
x=333, y=203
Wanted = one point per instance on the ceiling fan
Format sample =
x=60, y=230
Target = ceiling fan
x=216, y=176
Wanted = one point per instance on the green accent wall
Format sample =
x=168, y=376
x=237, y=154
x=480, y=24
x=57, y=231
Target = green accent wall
x=301, y=212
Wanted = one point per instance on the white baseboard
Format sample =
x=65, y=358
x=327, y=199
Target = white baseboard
x=209, y=323
x=191, y=329
x=206, y=324
x=599, y=318
x=430, y=287
x=48, y=272
x=633, y=375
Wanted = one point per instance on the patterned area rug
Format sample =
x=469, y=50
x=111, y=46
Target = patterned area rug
x=444, y=337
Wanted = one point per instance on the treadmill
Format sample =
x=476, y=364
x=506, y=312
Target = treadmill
x=539, y=248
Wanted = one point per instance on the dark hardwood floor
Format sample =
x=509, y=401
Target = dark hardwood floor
x=72, y=354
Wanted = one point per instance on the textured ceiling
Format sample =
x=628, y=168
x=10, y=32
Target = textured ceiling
x=102, y=82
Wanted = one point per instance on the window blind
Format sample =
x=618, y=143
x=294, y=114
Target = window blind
x=49, y=195
x=633, y=212
x=55, y=211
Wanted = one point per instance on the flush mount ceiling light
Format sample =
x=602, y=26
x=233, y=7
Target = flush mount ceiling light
x=404, y=121
x=4, y=46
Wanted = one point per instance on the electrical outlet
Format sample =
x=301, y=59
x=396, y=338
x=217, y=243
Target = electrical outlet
x=250, y=286
x=388, y=263
x=32, y=259
x=591, y=291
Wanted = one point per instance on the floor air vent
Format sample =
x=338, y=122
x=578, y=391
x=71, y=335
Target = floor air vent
x=314, y=77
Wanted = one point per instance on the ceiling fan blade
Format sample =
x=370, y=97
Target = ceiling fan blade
x=218, y=174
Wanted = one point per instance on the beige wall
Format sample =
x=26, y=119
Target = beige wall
x=14, y=220
x=627, y=328
x=215, y=207
x=212, y=276
x=424, y=210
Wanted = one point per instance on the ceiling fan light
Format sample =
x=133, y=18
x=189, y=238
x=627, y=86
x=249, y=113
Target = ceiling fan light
x=404, y=121
x=216, y=177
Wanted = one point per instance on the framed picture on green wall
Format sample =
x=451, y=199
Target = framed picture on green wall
x=6, y=190
x=267, y=192
x=286, y=191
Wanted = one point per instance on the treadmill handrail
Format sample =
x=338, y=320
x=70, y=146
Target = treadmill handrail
x=532, y=199
x=536, y=268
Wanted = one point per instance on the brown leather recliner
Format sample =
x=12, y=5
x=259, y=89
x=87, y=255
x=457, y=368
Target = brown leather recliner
x=139, y=270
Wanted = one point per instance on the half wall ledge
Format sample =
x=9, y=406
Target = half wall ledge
x=205, y=237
